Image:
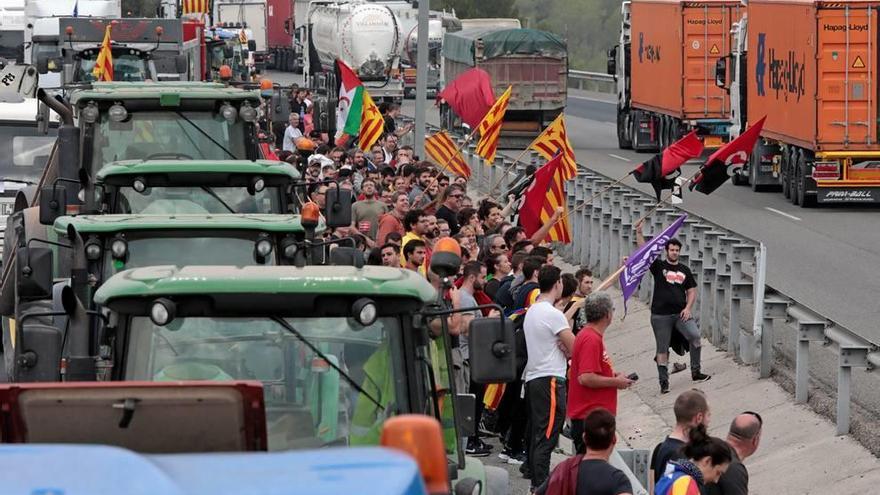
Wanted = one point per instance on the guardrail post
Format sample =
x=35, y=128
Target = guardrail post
x=741, y=288
x=775, y=307
x=852, y=353
x=605, y=242
x=722, y=282
x=811, y=328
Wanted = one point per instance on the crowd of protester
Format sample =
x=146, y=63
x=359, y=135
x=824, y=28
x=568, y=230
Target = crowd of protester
x=567, y=382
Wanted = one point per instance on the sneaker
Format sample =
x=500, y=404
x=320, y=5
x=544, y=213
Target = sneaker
x=476, y=448
x=505, y=454
x=517, y=460
x=700, y=377
x=678, y=367
x=664, y=387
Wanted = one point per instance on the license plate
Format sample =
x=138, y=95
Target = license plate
x=712, y=141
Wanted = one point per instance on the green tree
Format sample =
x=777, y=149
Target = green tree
x=470, y=9
x=589, y=26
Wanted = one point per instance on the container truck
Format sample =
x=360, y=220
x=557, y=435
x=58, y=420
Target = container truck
x=664, y=65
x=814, y=76
x=364, y=35
x=534, y=62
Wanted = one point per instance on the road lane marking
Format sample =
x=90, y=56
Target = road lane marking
x=612, y=155
x=786, y=215
x=597, y=100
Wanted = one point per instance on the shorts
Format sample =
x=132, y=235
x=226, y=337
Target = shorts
x=663, y=326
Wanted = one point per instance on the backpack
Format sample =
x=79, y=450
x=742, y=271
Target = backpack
x=519, y=336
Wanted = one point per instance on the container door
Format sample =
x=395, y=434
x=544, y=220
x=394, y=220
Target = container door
x=847, y=95
x=706, y=39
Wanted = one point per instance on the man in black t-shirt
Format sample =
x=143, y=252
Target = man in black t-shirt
x=675, y=292
x=691, y=409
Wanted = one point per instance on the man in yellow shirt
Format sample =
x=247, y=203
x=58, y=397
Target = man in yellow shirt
x=415, y=223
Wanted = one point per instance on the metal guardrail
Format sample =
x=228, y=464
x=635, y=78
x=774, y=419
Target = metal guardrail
x=731, y=269
x=591, y=81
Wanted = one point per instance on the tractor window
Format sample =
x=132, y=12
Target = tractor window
x=308, y=403
x=126, y=67
x=183, y=200
x=184, y=251
x=165, y=134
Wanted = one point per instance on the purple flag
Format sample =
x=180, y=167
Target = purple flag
x=640, y=261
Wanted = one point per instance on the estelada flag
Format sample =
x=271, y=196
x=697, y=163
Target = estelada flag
x=490, y=127
x=658, y=169
x=103, y=70
x=469, y=95
x=445, y=153
x=723, y=163
x=546, y=193
x=195, y=6
x=372, y=123
x=554, y=140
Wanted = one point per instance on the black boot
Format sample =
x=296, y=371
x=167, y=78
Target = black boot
x=663, y=377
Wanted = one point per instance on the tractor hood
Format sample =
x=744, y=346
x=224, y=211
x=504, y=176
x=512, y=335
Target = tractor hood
x=145, y=417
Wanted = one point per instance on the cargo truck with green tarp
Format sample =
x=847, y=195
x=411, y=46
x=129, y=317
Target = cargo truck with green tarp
x=533, y=62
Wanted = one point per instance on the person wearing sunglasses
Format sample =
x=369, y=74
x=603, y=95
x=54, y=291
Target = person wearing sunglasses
x=744, y=436
x=451, y=205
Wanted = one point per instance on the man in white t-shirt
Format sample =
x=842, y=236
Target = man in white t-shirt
x=549, y=340
x=292, y=133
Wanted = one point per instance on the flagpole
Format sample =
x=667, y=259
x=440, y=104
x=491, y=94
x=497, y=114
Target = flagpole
x=512, y=165
x=610, y=279
x=664, y=200
x=445, y=165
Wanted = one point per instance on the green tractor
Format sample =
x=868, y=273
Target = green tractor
x=339, y=349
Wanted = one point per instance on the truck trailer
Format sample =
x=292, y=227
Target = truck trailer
x=533, y=62
x=815, y=79
x=664, y=64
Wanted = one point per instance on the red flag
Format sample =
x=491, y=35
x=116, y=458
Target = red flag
x=656, y=170
x=470, y=96
x=546, y=193
x=723, y=163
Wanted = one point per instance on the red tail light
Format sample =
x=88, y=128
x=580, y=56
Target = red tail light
x=826, y=170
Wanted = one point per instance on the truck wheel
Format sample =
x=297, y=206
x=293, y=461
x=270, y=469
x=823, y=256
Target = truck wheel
x=624, y=142
x=783, y=172
x=804, y=200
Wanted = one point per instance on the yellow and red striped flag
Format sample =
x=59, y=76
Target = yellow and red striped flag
x=372, y=123
x=443, y=150
x=195, y=6
x=555, y=139
x=103, y=70
x=490, y=127
x=546, y=193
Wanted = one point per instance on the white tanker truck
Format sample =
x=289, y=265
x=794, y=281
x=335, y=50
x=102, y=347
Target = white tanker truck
x=364, y=35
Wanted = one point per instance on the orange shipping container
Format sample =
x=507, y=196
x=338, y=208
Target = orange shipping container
x=675, y=46
x=814, y=75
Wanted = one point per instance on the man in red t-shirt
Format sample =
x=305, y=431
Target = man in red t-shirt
x=592, y=380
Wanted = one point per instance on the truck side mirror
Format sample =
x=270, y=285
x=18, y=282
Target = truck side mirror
x=43, y=65
x=286, y=26
x=491, y=344
x=252, y=45
x=39, y=357
x=33, y=272
x=53, y=204
x=612, y=62
x=721, y=73
x=337, y=213
x=181, y=64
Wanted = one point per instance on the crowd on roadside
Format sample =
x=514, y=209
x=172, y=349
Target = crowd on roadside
x=568, y=384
